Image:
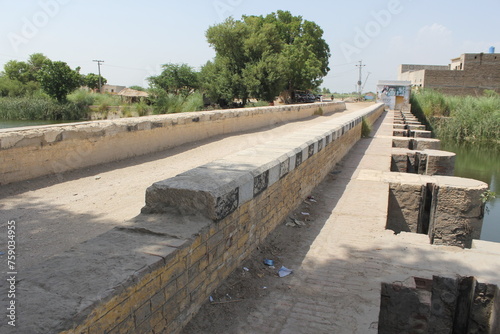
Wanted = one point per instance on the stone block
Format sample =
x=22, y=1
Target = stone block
x=214, y=193
x=420, y=134
x=439, y=162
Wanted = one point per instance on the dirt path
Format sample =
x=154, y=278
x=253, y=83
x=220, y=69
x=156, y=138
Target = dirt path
x=54, y=213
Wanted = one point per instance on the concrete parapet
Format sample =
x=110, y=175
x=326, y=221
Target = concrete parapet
x=420, y=133
x=153, y=273
x=427, y=162
x=418, y=144
x=31, y=152
x=218, y=188
x=448, y=209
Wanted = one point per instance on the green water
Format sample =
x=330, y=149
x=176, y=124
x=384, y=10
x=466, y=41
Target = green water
x=481, y=163
x=18, y=124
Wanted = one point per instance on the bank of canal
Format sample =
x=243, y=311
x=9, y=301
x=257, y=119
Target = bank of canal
x=18, y=124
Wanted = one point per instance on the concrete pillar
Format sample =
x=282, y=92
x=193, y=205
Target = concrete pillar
x=439, y=162
x=457, y=211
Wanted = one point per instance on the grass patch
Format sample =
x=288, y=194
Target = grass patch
x=366, y=128
x=39, y=108
x=459, y=118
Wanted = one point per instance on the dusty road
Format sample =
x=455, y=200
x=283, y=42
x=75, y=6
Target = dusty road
x=54, y=213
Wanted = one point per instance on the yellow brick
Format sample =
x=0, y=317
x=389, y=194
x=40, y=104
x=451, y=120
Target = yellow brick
x=197, y=281
x=171, y=272
x=170, y=290
x=182, y=280
x=197, y=254
x=156, y=317
x=149, y=290
x=242, y=241
x=160, y=326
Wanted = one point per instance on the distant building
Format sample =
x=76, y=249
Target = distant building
x=395, y=94
x=469, y=74
x=370, y=96
x=130, y=95
x=112, y=89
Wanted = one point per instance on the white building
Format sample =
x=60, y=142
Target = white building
x=394, y=93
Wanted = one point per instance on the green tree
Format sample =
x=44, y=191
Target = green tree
x=264, y=56
x=91, y=80
x=25, y=72
x=178, y=79
x=57, y=79
x=17, y=70
x=139, y=88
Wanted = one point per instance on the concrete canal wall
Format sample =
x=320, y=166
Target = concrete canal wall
x=27, y=153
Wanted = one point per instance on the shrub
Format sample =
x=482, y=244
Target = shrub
x=366, y=128
x=460, y=118
x=38, y=108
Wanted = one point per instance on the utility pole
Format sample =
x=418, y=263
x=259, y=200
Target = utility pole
x=359, y=80
x=99, y=69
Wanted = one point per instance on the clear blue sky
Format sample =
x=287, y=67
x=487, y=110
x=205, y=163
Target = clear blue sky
x=135, y=38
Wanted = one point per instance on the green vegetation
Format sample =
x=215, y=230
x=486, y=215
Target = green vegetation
x=177, y=79
x=460, y=118
x=57, y=79
x=257, y=58
x=39, y=108
x=366, y=128
x=91, y=80
x=262, y=57
x=167, y=103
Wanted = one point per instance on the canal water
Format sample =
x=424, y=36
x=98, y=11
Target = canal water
x=481, y=163
x=18, y=124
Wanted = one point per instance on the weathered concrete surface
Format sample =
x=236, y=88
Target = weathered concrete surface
x=416, y=143
x=56, y=212
x=31, y=152
x=176, y=259
x=344, y=257
x=219, y=188
x=441, y=305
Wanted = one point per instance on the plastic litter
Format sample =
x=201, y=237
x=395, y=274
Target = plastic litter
x=246, y=269
x=305, y=213
x=211, y=299
x=294, y=223
x=268, y=262
x=284, y=271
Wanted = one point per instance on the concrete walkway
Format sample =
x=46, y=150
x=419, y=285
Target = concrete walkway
x=345, y=255
x=56, y=212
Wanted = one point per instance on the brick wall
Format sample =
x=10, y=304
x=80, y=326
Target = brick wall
x=152, y=275
x=31, y=152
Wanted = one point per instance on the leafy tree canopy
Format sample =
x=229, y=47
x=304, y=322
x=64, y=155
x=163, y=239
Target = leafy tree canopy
x=139, y=88
x=25, y=72
x=176, y=78
x=91, y=80
x=57, y=79
x=262, y=56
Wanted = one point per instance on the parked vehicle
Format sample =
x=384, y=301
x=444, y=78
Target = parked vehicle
x=303, y=97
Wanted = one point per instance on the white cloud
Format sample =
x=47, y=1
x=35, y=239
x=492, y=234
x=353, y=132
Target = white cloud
x=434, y=32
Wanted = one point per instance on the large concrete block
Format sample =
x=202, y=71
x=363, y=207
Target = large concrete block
x=214, y=193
